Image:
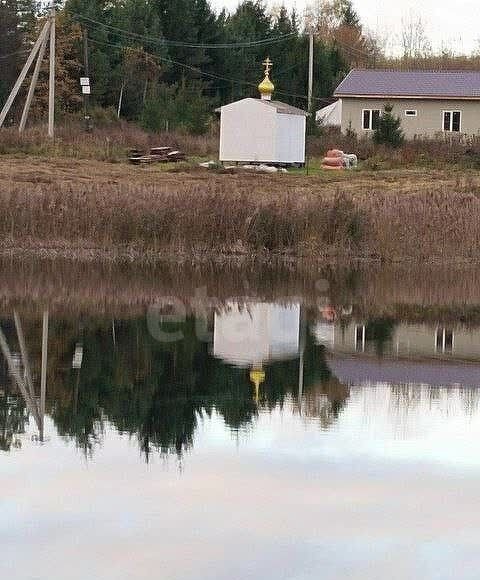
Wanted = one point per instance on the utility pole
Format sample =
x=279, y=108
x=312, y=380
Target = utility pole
x=51, y=87
x=33, y=82
x=37, y=52
x=24, y=72
x=86, y=72
x=120, y=100
x=310, y=72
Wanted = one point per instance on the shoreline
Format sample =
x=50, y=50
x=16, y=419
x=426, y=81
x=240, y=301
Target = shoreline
x=149, y=258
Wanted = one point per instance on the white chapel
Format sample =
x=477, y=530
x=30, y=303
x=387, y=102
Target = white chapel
x=262, y=130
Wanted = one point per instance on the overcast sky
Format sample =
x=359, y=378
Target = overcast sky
x=457, y=29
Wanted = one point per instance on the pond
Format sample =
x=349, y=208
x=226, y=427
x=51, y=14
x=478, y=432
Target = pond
x=236, y=422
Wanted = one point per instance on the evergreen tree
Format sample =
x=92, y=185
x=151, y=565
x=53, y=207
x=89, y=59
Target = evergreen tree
x=349, y=16
x=10, y=45
x=388, y=130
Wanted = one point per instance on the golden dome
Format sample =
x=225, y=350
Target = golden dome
x=266, y=87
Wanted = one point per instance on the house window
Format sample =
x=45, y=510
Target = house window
x=452, y=121
x=444, y=340
x=370, y=119
x=411, y=113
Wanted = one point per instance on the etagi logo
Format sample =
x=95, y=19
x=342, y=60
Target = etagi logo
x=167, y=316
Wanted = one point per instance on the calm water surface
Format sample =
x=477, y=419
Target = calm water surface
x=274, y=435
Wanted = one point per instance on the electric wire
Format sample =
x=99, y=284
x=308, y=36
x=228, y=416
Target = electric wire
x=181, y=44
x=204, y=73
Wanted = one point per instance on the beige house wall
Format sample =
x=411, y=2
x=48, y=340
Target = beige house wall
x=429, y=119
x=407, y=341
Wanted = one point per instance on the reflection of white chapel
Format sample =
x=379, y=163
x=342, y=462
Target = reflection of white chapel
x=257, y=333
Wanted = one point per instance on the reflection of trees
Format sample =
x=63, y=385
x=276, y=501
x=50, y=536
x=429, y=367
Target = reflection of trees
x=325, y=401
x=380, y=332
x=410, y=398
x=156, y=391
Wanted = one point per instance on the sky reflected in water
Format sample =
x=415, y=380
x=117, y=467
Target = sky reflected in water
x=284, y=442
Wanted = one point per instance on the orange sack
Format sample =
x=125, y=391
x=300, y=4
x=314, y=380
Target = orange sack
x=329, y=167
x=334, y=153
x=333, y=161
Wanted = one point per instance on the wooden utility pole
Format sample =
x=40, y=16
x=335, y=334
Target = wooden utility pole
x=37, y=52
x=310, y=72
x=51, y=83
x=86, y=72
x=120, y=100
x=23, y=74
x=33, y=82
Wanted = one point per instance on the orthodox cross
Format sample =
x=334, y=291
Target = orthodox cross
x=267, y=63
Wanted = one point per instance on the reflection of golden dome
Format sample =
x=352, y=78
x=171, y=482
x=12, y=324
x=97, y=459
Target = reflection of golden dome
x=257, y=376
x=266, y=87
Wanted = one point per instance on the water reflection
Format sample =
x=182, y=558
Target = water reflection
x=324, y=429
x=261, y=356
x=156, y=391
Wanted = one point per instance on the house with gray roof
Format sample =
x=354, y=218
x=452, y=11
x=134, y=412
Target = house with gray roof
x=429, y=103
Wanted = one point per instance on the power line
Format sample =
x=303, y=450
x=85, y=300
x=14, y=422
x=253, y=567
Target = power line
x=245, y=44
x=178, y=43
x=14, y=53
x=204, y=73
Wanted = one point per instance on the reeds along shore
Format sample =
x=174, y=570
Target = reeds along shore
x=110, y=141
x=71, y=289
x=215, y=218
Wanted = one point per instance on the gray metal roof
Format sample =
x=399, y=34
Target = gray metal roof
x=277, y=105
x=358, y=370
x=284, y=108
x=426, y=84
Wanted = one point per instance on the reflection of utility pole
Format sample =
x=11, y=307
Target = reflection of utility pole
x=13, y=369
x=301, y=364
x=43, y=377
x=25, y=384
x=24, y=353
x=77, y=365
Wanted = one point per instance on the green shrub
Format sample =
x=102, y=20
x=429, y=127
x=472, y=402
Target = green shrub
x=388, y=130
x=180, y=108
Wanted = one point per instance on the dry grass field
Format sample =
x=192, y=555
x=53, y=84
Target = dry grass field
x=76, y=206
x=61, y=171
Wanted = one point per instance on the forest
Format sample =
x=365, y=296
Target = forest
x=167, y=64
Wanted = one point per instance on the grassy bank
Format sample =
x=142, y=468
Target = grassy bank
x=111, y=140
x=75, y=208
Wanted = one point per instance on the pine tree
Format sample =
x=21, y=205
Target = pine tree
x=10, y=45
x=388, y=130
